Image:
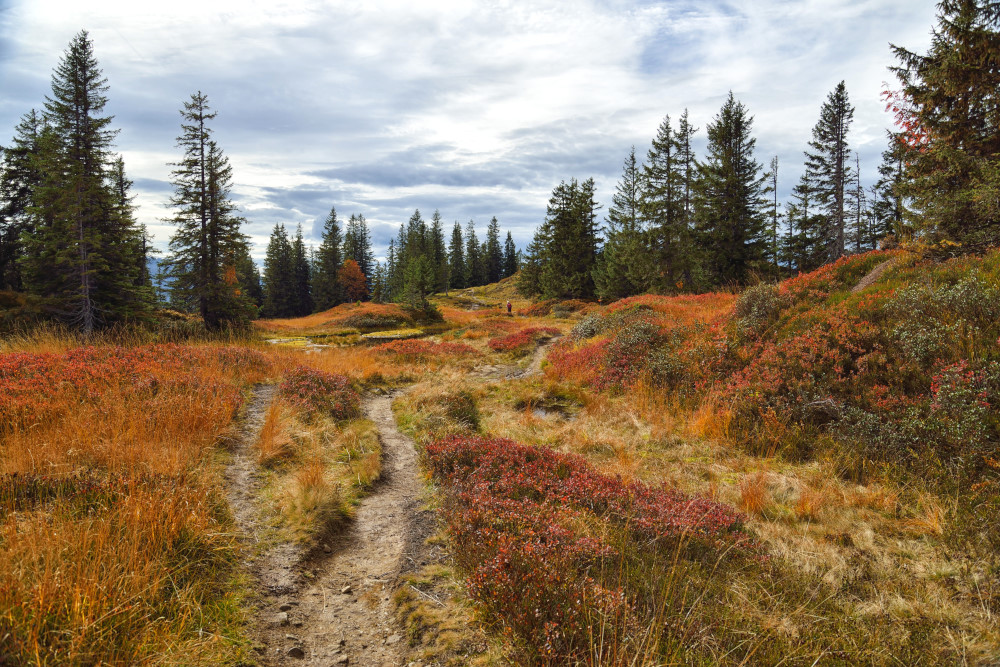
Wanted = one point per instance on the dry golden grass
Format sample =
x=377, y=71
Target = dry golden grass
x=755, y=497
x=275, y=441
x=323, y=468
x=333, y=319
x=872, y=558
x=114, y=549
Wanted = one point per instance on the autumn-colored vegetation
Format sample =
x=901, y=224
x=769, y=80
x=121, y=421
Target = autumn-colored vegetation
x=522, y=340
x=114, y=546
x=360, y=316
x=545, y=539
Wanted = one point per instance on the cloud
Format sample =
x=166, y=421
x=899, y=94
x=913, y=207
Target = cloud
x=476, y=109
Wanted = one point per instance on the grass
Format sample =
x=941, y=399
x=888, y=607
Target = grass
x=852, y=430
x=115, y=545
x=872, y=568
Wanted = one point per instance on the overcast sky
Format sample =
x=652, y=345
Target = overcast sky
x=473, y=108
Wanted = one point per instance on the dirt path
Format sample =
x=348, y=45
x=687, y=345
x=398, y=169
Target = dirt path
x=515, y=371
x=332, y=606
x=273, y=567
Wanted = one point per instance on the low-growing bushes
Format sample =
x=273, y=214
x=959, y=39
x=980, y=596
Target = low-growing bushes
x=523, y=340
x=325, y=393
x=900, y=368
x=570, y=562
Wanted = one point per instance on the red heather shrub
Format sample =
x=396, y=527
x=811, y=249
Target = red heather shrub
x=517, y=517
x=324, y=393
x=497, y=467
x=521, y=340
x=424, y=348
x=35, y=387
x=845, y=272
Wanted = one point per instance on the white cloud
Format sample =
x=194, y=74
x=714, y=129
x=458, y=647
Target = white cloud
x=476, y=108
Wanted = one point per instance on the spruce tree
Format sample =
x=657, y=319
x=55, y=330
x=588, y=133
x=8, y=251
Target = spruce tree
x=207, y=243
x=804, y=249
x=828, y=170
x=303, y=302
x=570, y=249
x=730, y=197
x=389, y=271
x=19, y=177
x=326, y=289
x=626, y=265
x=439, y=254
x=509, y=256
x=662, y=204
x=858, y=235
x=248, y=278
x=493, y=256
x=888, y=208
x=456, y=258
x=950, y=118
x=687, y=256
x=475, y=269
x=529, y=281
x=279, y=276
x=773, y=244
x=378, y=284
x=80, y=253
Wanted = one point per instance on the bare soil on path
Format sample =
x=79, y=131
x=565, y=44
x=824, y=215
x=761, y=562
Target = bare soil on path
x=332, y=605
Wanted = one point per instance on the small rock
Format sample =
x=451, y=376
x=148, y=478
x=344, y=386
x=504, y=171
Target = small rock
x=342, y=660
x=281, y=618
x=285, y=607
x=346, y=590
x=326, y=548
x=291, y=638
x=394, y=639
x=297, y=624
x=296, y=652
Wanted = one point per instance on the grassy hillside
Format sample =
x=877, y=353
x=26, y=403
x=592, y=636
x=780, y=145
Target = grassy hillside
x=847, y=413
x=804, y=473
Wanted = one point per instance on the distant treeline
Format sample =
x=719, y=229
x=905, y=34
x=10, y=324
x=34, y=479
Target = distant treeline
x=69, y=239
x=299, y=281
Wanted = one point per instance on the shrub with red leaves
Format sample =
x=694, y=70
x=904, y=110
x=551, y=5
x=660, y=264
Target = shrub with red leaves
x=319, y=392
x=521, y=340
x=516, y=515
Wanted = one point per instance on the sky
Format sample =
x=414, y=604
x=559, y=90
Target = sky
x=475, y=109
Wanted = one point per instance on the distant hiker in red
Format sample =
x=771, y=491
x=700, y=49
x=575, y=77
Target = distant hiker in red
x=508, y=307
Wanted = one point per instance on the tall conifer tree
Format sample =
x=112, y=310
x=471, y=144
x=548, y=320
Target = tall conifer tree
x=493, y=257
x=625, y=266
x=303, y=302
x=326, y=289
x=828, y=168
x=19, y=177
x=509, y=256
x=949, y=119
x=208, y=242
x=81, y=252
x=475, y=269
x=456, y=257
x=279, y=275
x=570, y=235
x=730, y=197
